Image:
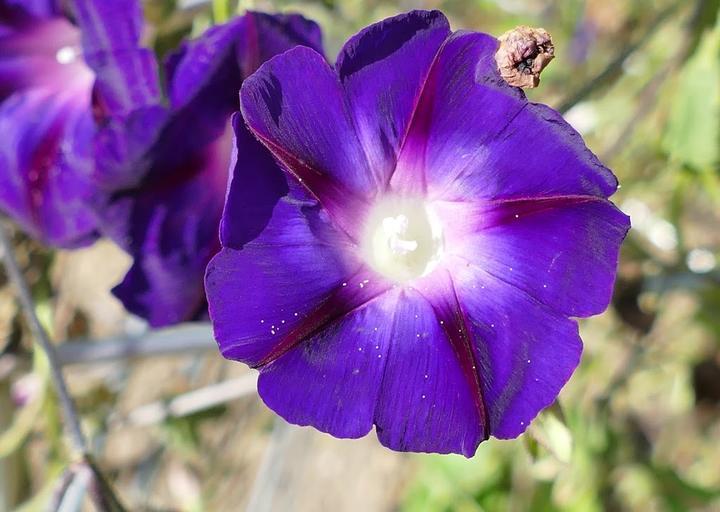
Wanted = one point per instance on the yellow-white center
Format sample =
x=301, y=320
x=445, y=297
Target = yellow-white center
x=403, y=239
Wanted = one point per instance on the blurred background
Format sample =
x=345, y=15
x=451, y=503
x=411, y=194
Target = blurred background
x=636, y=428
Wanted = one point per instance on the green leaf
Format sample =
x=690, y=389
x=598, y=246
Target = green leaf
x=693, y=131
x=679, y=494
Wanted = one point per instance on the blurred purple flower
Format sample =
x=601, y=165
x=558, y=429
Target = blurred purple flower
x=416, y=265
x=46, y=124
x=167, y=161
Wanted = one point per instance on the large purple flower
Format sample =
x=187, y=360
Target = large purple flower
x=46, y=124
x=167, y=161
x=416, y=265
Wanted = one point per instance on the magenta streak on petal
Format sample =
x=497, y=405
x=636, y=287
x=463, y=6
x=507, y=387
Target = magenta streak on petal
x=42, y=162
x=449, y=312
x=414, y=164
x=345, y=207
x=354, y=293
x=421, y=119
x=369, y=65
x=251, y=49
x=210, y=161
x=486, y=214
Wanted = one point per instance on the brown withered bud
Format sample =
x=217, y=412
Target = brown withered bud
x=523, y=54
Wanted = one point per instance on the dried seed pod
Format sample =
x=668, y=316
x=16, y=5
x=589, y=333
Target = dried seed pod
x=523, y=54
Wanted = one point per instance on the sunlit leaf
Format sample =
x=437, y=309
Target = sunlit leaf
x=222, y=10
x=550, y=431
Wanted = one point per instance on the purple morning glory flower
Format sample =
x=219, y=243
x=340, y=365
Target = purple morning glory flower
x=417, y=264
x=167, y=160
x=46, y=124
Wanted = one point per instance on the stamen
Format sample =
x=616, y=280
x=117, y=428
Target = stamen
x=403, y=239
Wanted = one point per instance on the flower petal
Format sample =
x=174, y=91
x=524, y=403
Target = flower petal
x=206, y=74
x=127, y=99
x=237, y=49
x=473, y=136
x=171, y=232
x=256, y=185
x=44, y=183
x=563, y=251
x=208, y=65
x=127, y=76
x=21, y=9
x=172, y=204
x=309, y=129
x=272, y=34
x=205, y=77
x=42, y=52
x=426, y=403
x=332, y=380
x=164, y=289
x=383, y=69
x=204, y=80
x=277, y=280
x=525, y=351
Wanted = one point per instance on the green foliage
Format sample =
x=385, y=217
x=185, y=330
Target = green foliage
x=222, y=10
x=693, y=134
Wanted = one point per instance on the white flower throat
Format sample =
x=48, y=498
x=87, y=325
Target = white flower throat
x=403, y=239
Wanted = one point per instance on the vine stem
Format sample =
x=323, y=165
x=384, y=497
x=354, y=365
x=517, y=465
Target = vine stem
x=77, y=440
x=72, y=422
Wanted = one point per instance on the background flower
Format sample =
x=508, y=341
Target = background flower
x=46, y=124
x=436, y=232
x=167, y=161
